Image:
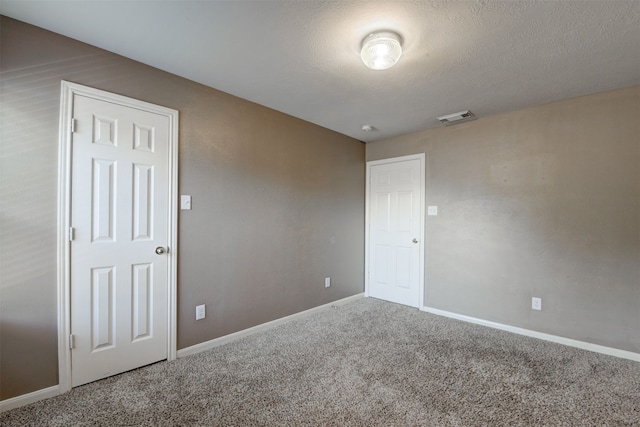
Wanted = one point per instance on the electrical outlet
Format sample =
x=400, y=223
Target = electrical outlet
x=536, y=303
x=327, y=282
x=201, y=312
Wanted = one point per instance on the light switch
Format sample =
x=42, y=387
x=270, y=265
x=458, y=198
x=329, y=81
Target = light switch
x=185, y=202
x=432, y=210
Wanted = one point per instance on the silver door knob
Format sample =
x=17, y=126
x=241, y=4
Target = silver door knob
x=415, y=240
x=159, y=250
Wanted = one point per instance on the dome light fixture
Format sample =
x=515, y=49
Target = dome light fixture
x=381, y=50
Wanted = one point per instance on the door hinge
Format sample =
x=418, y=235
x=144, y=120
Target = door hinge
x=72, y=342
x=73, y=125
x=71, y=234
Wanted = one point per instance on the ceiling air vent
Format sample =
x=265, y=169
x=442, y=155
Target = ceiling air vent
x=455, y=118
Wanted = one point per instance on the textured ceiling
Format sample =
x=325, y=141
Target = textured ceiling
x=302, y=57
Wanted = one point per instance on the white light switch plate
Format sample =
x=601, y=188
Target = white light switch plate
x=185, y=202
x=432, y=210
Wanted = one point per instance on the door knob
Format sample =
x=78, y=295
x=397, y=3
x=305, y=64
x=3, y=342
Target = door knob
x=415, y=240
x=160, y=250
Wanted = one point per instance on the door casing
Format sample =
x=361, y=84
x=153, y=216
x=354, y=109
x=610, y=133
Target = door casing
x=68, y=92
x=370, y=164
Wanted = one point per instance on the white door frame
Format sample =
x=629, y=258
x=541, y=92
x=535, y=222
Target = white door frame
x=68, y=91
x=370, y=164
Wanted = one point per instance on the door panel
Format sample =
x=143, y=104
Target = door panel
x=141, y=304
x=395, y=194
x=119, y=211
x=142, y=202
x=102, y=309
x=103, y=206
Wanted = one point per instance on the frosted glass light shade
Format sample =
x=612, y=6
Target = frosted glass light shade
x=381, y=50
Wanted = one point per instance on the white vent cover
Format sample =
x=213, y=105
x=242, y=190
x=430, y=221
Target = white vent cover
x=455, y=118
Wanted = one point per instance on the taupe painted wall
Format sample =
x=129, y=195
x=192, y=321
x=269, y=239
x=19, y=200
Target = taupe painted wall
x=278, y=203
x=539, y=202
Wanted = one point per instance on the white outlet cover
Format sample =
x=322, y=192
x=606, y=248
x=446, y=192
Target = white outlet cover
x=201, y=312
x=327, y=282
x=536, y=303
x=432, y=210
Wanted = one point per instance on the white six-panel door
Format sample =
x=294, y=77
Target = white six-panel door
x=395, y=212
x=119, y=215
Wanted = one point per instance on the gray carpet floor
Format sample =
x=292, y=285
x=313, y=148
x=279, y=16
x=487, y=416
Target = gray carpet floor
x=365, y=363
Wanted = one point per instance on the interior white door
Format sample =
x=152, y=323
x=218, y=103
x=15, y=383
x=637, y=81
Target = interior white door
x=395, y=200
x=119, y=214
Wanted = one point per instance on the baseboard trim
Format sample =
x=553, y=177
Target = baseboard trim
x=45, y=393
x=25, y=399
x=216, y=342
x=624, y=354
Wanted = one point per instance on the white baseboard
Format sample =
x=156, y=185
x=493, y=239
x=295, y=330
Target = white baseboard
x=45, y=393
x=25, y=399
x=624, y=354
x=203, y=346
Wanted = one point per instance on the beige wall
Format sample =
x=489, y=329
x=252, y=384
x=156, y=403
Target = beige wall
x=278, y=203
x=539, y=202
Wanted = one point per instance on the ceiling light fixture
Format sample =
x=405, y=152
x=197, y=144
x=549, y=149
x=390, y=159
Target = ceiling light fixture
x=381, y=50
